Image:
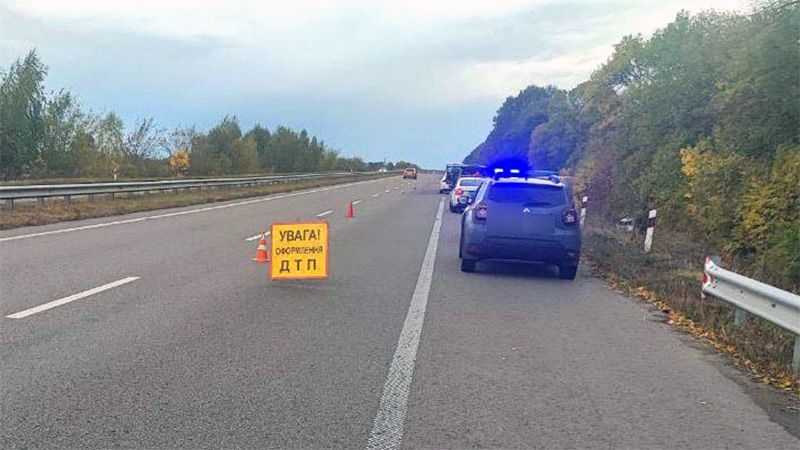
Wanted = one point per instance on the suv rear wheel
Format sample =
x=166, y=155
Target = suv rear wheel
x=468, y=265
x=567, y=272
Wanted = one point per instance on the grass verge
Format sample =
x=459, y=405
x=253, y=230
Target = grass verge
x=56, y=210
x=669, y=278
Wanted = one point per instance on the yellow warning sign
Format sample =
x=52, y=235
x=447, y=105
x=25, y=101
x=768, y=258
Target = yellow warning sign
x=299, y=250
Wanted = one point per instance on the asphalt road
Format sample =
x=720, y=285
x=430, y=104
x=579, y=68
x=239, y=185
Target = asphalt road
x=199, y=349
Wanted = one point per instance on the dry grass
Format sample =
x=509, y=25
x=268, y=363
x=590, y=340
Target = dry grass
x=56, y=210
x=669, y=277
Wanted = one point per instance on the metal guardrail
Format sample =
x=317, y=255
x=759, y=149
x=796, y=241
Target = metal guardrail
x=750, y=296
x=10, y=194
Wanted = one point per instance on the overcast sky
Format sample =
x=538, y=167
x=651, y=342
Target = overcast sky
x=412, y=80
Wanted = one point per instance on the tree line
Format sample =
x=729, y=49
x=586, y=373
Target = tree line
x=49, y=135
x=701, y=120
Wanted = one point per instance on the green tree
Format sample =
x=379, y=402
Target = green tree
x=244, y=156
x=261, y=136
x=757, y=103
x=328, y=161
x=212, y=153
x=43, y=135
x=22, y=129
x=64, y=123
x=700, y=121
x=513, y=126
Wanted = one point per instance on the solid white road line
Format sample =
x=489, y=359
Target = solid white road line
x=71, y=298
x=258, y=236
x=325, y=213
x=181, y=213
x=376, y=195
x=357, y=202
x=387, y=429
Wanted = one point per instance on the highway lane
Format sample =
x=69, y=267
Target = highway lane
x=90, y=257
x=202, y=351
x=513, y=357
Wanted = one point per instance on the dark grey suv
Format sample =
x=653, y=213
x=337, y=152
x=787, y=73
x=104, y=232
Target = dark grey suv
x=522, y=219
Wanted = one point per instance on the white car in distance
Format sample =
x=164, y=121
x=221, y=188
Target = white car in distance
x=465, y=187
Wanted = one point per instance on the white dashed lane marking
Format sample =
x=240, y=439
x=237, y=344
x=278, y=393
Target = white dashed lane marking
x=388, y=427
x=253, y=238
x=71, y=298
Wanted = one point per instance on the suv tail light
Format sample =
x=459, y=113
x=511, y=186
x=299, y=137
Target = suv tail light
x=458, y=192
x=570, y=217
x=481, y=212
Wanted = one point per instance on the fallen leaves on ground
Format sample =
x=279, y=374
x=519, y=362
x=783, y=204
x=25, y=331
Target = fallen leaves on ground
x=762, y=373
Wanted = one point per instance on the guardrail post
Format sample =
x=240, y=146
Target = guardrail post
x=770, y=303
x=91, y=197
x=67, y=199
x=796, y=353
x=739, y=316
x=9, y=204
x=40, y=200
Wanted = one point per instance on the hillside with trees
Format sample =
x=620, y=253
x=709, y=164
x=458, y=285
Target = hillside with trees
x=49, y=135
x=701, y=120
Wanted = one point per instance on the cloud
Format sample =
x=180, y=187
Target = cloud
x=240, y=18
x=491, y=78
x=353, y=71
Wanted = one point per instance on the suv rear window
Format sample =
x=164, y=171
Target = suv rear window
x=470, y=182
x=526, y=193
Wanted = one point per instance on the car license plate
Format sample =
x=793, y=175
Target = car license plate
x=538, y=224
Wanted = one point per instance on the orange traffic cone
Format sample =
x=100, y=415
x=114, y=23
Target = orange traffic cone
x=350, y=212
x=262, y=255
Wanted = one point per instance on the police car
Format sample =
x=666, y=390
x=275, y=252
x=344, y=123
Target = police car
x=521, y=216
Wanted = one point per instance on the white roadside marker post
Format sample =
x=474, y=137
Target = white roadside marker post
x=584, y=201
x=651, y=224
